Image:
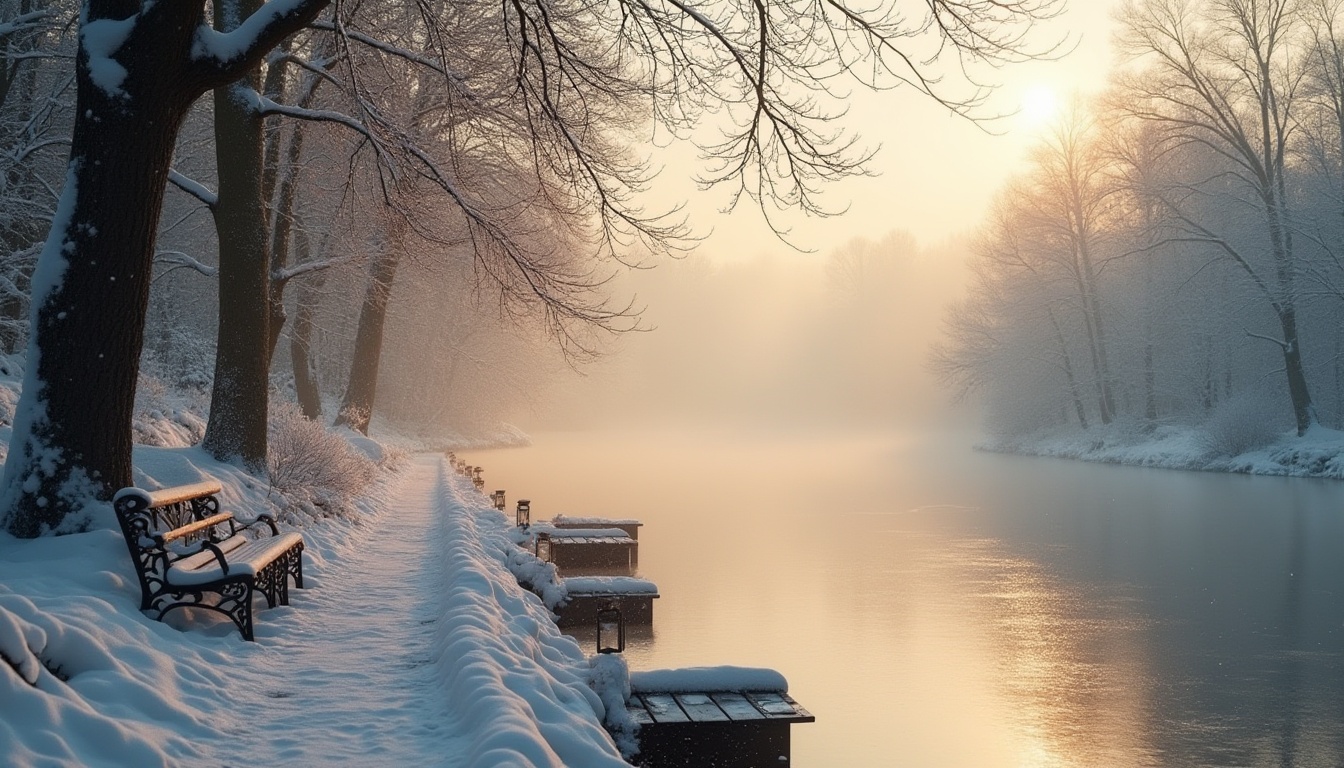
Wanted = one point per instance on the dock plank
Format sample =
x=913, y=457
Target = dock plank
x=663, y=708
x=774, y=705
x=638, y=713
x=737, y=707
x=700, y=708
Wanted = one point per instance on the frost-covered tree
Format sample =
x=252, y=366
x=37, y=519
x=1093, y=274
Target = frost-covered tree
x=1226, y=77
x=769, y=68
x=139, y=69
x=36, y=99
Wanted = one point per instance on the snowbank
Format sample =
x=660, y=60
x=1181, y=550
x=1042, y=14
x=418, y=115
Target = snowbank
x=1319, y=453
x=520, y=686
x=609, y=585
x=707, y=680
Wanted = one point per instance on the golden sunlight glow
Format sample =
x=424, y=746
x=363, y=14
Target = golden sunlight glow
x=1039, y=104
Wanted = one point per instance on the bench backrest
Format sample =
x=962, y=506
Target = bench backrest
x=143, y=514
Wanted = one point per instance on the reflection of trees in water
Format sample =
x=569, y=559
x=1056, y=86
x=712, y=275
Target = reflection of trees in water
x=1211, y=601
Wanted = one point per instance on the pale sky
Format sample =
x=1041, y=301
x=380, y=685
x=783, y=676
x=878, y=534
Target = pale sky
x=936, y=173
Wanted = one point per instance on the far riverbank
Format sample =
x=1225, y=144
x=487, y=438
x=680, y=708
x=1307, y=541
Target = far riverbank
x=1317, y=454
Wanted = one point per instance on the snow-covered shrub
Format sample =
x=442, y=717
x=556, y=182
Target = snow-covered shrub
x=1239, y=425
x=165, y=416
x=314, y=466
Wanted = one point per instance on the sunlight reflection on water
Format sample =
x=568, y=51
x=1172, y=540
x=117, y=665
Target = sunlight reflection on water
x=934, y=606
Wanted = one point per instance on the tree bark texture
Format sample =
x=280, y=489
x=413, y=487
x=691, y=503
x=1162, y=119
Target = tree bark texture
x=239, y=402
x=72, y=432
x=72, y=435
x=357, y=406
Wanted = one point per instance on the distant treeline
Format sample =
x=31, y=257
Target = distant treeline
x=1174, y=252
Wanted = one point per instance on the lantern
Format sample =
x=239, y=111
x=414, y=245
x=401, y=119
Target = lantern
x=542, y=547
x=524, y=513
x=610, y=629
x=498, y=498
x=476, y=479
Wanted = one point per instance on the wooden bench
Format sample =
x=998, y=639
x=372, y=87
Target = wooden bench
x=184, y=548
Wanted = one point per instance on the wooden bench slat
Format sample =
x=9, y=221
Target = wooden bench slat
x=196, y=527
x=177, y=493
x=247, y=559
x=191, y=562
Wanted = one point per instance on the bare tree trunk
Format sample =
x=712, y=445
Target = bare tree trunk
x=306, y=387
x=1074, y=394
x=239, y=400
x=357, y=406
x=1304, y=411
x=72, y=433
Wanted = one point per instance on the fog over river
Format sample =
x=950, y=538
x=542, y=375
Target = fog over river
x=934, y=605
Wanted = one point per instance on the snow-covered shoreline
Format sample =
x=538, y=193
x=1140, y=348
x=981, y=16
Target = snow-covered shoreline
x=1317, y=454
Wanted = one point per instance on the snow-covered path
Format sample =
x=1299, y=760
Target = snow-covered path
x=344, y=679
x=412, y=646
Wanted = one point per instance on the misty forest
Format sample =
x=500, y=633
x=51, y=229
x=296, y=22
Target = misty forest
x=398, y=344
x=1172, y=252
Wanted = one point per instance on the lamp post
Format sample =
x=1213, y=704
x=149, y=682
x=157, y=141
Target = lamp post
x=523, y=516
x=610, y=629
x=542, y=547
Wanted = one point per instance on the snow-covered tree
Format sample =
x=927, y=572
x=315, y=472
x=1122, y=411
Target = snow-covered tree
x=768, y=67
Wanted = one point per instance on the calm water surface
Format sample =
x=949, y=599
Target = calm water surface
x=938, y=606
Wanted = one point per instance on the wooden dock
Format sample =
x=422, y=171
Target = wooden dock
x=688, y=718
x=629, y=525
x=591, y=549
x=634, y=597
x=730, y=729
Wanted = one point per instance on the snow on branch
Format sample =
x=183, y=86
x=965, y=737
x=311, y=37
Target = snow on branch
x=299, y=270
x=179, y=260
x=267, y=107
x=193, y=188
x=228, y=55
x=25, y=22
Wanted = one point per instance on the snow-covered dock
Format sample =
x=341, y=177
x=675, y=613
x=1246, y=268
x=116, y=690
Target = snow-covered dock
x=587, y=594
x=582, y=550
x=629, y=526
x=727, y=717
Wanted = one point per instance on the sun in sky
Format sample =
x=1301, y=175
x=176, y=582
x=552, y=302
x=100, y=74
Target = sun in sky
x=1040, y=104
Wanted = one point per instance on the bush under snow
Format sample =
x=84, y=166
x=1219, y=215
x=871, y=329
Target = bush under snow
x=313, y=468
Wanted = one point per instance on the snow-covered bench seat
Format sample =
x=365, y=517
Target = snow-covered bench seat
x=184, y=548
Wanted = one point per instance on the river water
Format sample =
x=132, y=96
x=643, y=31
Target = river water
x=934, y=605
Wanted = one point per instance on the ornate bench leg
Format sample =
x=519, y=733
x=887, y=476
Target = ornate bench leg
x=235, y=600
x=294, y=561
